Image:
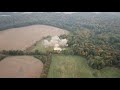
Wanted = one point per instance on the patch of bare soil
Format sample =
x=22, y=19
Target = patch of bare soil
x=20, y=67
x=24, y=37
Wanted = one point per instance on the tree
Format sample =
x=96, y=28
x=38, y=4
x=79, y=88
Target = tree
x=96, y=62
x=36, y=52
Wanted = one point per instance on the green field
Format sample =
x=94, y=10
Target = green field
x=63, y=66
x=41, y=48
x=68, y=66
x=110, y=72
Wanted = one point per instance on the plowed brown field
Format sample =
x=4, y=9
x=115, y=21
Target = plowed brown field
x=20, y=67
x=24, y=37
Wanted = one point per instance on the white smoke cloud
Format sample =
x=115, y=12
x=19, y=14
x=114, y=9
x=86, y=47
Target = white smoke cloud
x=46, y=43
x=63, y=42
x=54, y=41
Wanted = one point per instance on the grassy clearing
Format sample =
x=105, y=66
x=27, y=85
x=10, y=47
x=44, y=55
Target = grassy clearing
x=63, y=66
x=39, y=46
x=2, y=57
x=110, y=72
x=69, y=67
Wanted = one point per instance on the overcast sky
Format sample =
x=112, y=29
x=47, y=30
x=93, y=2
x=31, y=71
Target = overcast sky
x=55, y=12
x=58, y=12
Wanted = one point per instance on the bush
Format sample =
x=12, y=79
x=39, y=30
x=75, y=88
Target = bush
x=116, y=61
x=46, y=59
x=13, y=52
x=2, y=57
x=41, y=57
x=96, y=63
x=67, y=52
x=46, y=66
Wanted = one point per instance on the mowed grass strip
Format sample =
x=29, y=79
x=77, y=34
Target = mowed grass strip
x=63, y=66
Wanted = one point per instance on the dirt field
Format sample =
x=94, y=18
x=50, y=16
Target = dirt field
x=20, y=67
x=24, y=37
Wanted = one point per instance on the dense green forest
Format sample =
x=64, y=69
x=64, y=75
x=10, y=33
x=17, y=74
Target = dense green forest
x=99, y=22
x=93, y=36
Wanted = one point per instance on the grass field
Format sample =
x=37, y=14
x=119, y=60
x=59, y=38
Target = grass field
x=110, y=72
x=41, y=48
x=63, y=66
x=68, y=66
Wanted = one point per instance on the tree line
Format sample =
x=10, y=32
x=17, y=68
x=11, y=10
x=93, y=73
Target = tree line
x=97, y=49
x=20, y=52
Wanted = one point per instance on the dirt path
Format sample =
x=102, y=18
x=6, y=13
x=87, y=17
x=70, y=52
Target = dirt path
x=20, y=67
